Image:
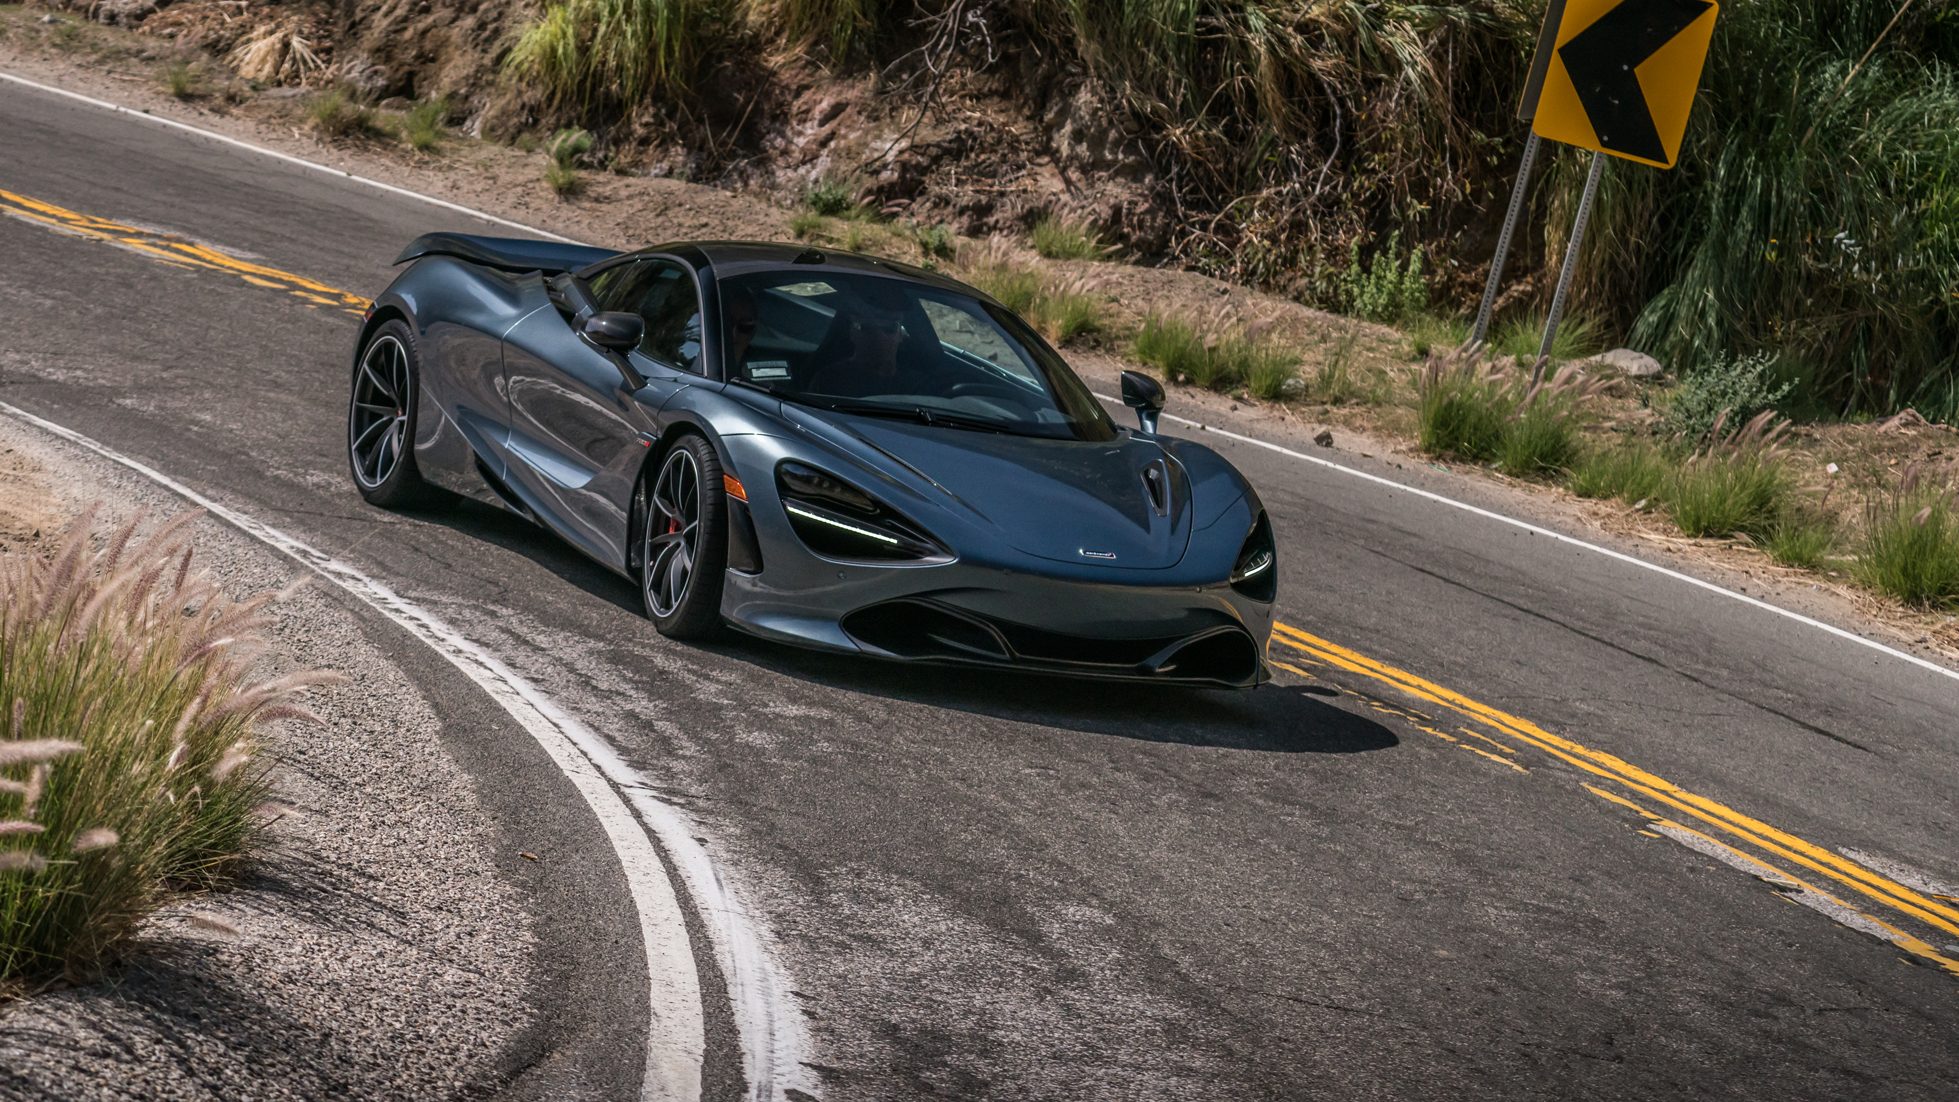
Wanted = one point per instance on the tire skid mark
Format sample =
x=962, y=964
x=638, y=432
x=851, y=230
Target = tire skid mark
x=770, y=1029
x=1847, y=872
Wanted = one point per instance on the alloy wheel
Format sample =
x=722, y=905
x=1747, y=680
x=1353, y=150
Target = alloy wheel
x=377, y=433
x=672, y=532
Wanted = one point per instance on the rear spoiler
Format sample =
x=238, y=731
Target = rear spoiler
x=509, y=254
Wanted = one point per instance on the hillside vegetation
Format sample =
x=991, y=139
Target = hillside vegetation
x=1814, y=213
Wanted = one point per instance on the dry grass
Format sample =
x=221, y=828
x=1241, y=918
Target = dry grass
x=133, y=765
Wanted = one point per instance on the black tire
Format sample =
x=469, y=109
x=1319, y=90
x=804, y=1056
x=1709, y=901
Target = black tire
x=683, y=547
x=384, y=398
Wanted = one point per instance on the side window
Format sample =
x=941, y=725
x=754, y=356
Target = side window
x=662, y=293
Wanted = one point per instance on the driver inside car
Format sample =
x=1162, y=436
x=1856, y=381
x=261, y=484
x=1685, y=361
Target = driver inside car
x=864, y=354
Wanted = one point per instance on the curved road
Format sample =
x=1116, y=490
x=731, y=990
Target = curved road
x=1521, y=821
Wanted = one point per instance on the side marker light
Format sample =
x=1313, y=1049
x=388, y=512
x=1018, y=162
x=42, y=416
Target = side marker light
x=734, y=487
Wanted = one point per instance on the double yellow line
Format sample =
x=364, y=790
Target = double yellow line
x=1873, y=885
x=176, y=251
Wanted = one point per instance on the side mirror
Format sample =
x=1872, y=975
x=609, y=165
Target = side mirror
x=616, y=330
x=1144, y=395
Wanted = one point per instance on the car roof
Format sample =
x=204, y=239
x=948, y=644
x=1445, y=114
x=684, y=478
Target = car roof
x=729, y=258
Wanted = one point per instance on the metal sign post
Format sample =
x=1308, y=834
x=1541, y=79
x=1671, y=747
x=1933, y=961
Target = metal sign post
x=1570, y=267
x=1547, y=36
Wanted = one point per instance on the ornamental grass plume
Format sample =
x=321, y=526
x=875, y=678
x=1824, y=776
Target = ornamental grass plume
x=133, y=766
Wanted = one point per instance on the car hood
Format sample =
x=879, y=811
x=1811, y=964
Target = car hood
x=1068, y=500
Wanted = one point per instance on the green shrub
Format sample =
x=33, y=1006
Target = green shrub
x=1385, y=288
x=1462, y=411
x=1428, y=333
x=1801, y=537
x=134, y=767
x=1578, y=337
x=1739, y=388
x=562, y=153
x=830, y=199
x=1630, y=472
x=1060, y=309
x=1725, y=492
x=588, y=53
x=804, y=224
x=934, y=240
x=1540, y=438
x=1171, y=345
x=334, y=114
x=1231, y=356
x=1333, y=380
x=181, y=80
x=1058, y=240
x=421, y=124
x=1911, y=547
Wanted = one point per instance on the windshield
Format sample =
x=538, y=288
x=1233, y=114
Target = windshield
x=889, y=348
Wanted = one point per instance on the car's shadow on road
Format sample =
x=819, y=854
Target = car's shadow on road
x=1268, y=719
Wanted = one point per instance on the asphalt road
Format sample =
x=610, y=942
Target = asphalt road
x=996, y=887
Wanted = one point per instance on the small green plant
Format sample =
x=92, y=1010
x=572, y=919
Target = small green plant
x=1171, y=346
x=1385, y=288
x=1737, y=484
x=182, y=80
x=1540, y=438
x=830, y=199
x=854, y=238
x=1333, y=380
x=1427, y=333
x=934, y=240
x=1061, y=309
x=1463, y=406
x=1802, y=537
x=562, y=153
x=133, y=767
x=525, y=142
x=1267, y=370
x=804, y=224
x=421, y=124
x=1632, y=472
x=1578, y=336
x=1911, y=543
x=1737, y=389
x=1059, y=240
x=334, y=114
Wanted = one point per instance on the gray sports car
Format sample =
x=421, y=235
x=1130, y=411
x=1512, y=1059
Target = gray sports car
x=814, y=447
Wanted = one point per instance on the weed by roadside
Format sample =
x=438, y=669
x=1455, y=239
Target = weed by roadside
x=804, y=224
x=934, y=241
x=334, y=114
x=1911, y=543
x=1474, y=410
x=830, y=199
x=560, y=167
x=421, y=124
x=1634, y=472
x=134, y=765
x=181, y=80
x=1385, y=288
x=1737, y=484
x=1220, y=359
x=1737, y=389
x=1427, y=333
x=1061, y=308
x=1058, y=240
x=1578, y=336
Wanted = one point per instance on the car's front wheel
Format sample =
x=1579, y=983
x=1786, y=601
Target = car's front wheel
x=684, y=541
x=381, y=420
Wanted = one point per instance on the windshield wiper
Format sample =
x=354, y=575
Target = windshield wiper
x=924, y=415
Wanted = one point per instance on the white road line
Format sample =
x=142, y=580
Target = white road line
x=1562, y=538
x=287, y=157
x=772, y=1040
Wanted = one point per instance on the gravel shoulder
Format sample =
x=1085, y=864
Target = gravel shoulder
x=375, y=951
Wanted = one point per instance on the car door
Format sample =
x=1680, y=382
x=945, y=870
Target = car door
x=575, y=430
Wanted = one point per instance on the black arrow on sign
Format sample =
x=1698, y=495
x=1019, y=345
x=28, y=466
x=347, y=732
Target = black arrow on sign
x=1601, y=59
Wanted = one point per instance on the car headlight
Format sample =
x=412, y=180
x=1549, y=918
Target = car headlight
x=1256, y=573
x=840, y=521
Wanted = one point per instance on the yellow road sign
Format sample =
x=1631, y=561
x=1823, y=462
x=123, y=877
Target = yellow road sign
x=1622, y=76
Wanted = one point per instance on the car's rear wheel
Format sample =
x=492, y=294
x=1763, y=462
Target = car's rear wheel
x=684, y=541
x=381, y=420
